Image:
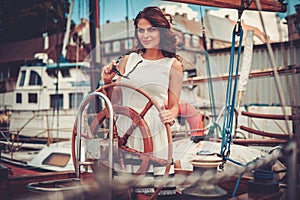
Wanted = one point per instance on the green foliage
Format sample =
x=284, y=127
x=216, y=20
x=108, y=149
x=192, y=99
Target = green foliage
x=26, y=19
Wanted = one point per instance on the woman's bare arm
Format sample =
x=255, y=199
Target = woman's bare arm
x=171, y=111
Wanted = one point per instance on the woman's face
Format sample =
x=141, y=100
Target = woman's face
x=148, y=35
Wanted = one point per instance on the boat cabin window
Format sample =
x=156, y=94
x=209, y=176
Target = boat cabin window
x=35, y=78
x=32, y=98
x=59, y=99
x=65, y=73
x=18, y=98
x=52, y=73
x=75, y=99
x=22, y=81
x=57, y=159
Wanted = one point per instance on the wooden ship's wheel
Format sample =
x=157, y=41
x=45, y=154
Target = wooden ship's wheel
x=137, y=123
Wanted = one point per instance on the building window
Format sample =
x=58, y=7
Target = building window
x=56, y=101
x=128, y=44
x=195, y=41
x=23, y=75
x=107, y=47
x=187, y=40
x=32, y=98
x=75, y=99
x=18, y=98
x=116, y=46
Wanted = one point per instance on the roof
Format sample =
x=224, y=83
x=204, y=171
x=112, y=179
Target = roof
x=22, y=50
x=218, y=28
x=214, y=26
x=117, y=30
x=187, y=26
x=25, y=50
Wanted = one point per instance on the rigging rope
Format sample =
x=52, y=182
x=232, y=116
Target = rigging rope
x=231, y=92
x=214, y=125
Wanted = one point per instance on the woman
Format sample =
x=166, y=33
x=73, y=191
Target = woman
x=156, y=69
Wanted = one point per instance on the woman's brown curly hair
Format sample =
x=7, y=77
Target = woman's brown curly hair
x=161, y=21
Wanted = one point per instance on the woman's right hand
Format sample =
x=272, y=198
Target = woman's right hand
x=108, y=73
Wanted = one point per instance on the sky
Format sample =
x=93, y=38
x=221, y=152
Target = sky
x=115, y=10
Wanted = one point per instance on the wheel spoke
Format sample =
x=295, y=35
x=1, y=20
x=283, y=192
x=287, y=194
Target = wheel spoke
x=146, y=108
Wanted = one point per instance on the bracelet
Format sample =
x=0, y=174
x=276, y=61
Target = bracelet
x=172, y=123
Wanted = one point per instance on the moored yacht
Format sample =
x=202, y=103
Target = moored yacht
x=43, y=108
x=46, y=97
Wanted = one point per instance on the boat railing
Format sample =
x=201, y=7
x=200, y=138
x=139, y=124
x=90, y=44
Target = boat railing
x=82, y=107
x=75, y=183
x=42, y=124
x=268, y=138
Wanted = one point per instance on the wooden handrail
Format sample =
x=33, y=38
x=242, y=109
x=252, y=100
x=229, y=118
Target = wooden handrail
x=263, y=133
x=269, y=72
x=268, y=116
x=270, y=142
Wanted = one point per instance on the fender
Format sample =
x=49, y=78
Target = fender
x=193, y=118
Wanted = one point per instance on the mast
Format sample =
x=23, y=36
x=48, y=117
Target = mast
x=127, y=22
x=67, y=33
x=95, y=51
x=56, y=103
x=97, y=28
x=95, y=57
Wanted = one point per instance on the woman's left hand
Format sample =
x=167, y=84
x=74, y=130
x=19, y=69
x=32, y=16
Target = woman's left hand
x=166, y=116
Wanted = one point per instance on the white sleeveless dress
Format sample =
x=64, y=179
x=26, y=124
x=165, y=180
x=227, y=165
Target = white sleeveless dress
x=152, y=76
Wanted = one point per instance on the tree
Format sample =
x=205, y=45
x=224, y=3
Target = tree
x=26, y=19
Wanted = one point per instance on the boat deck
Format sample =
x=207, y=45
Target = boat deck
x=14, y=186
